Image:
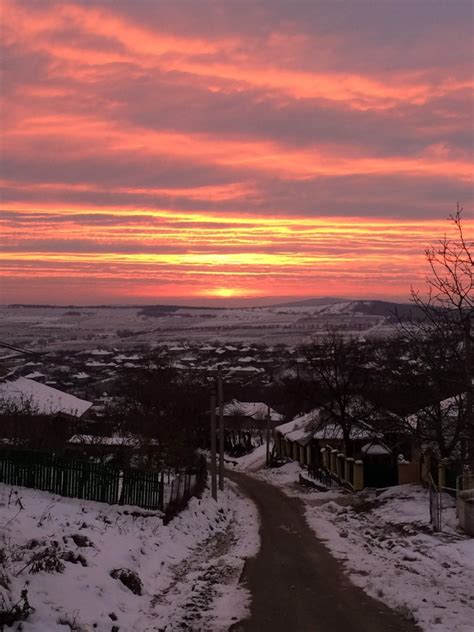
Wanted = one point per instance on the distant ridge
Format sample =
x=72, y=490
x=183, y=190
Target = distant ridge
x=390, y=310
x=157, y=306
x=313, y=302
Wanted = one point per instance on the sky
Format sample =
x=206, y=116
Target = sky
x=156, y=151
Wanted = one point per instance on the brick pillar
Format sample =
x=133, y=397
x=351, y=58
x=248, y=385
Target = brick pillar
x=358, y=476
x=333, y=466
x=324, y=457
x=340, y=465
x=347, y=469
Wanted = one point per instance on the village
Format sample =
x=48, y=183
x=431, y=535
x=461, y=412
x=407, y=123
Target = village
x=133, y=429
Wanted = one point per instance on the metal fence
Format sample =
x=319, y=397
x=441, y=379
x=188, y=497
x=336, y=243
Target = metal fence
x=323, y=476
x=150, y=489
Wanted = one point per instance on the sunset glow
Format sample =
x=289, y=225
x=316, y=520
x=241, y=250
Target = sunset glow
x=161, y=151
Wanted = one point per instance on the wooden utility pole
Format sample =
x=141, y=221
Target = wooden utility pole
x=268, y=437
x=220, y=397
x=213, y=444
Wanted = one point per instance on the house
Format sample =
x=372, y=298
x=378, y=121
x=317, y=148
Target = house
x=439, y=434
x=249, y=415
x=27, y=394
x=316, y=441
x=122, y=450
x=38, y=415
x=245, y=425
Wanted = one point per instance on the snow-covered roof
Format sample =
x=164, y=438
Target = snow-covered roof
x=81, y=375
x=122, y=357
x=375, y=448
x=298, y=423
x=40, y=398
x=246, y=369
x=115, y=440
x=332, y=431
x=299, y=435
x=304, y=426
x=449, y=408
x=257, y=410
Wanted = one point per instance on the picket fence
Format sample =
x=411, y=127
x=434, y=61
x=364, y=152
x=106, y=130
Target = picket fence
x=149, y=489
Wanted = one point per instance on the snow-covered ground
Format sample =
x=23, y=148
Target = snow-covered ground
x=388, y=548
x=253, y=461
x=63, y=551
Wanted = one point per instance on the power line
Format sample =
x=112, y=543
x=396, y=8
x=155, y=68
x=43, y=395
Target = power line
x=19, y=350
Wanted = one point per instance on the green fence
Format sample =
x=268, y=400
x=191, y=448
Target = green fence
x=102, y=483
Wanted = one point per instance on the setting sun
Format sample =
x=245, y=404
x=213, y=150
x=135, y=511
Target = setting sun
x=224, y=292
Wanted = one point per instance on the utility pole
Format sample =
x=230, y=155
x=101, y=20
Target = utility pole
x=213, y=444
x=220, y=397
x=268, y=437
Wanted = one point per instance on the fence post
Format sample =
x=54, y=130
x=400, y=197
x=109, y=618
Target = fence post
x=213, y=445
x=267, y=452
x=179, y=484
x=161, y=491
x=121, y=487
x=441, y=475
x=425, y=468
x=220, y=388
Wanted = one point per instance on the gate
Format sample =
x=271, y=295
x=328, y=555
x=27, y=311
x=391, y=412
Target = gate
x=380, y=474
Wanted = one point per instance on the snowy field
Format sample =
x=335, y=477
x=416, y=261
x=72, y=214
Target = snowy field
x=76, y=328
x=182, y=576
x=388, y=548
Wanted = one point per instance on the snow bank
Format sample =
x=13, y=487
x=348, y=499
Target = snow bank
x=388, y=550
x=189, y=569
x=251, y=462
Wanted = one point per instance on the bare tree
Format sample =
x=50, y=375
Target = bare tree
x=340, y=368
x=449, y=307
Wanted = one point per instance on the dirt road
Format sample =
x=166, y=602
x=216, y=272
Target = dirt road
x=296, y=585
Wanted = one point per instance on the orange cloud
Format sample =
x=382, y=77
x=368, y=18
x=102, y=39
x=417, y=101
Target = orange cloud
x=85, y=135
x=131, y=146
x=221, y=256
x=147, y=48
